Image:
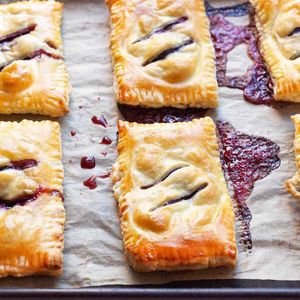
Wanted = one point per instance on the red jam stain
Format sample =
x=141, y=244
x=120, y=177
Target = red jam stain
x=245, y=159
x=73, y=133
x=106, y=141
x=23, y=200
x=159, y=115
x=20, y=164
x=92, y=183
x=104, y=154
x=88, y=162
x=99, y=120
x=256, y=84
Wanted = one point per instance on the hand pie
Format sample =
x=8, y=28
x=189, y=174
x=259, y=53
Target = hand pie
x=32, y=214
x=278, y=24
x=33, y=75
x=162, y=53
x=293, y=185
x=174, y=206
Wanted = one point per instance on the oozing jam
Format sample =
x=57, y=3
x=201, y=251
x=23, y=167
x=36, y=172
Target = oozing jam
x=159, y=115
x=246, y=159
x=99, y=120
x=88, y=162
x=10, y=37
x=20, y=164
x=164, y=28
x=256, y=83
x=167, y=52
x=92, y=183
x=25, y=199
x=106, y=141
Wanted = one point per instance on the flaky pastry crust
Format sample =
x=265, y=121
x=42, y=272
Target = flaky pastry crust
x=162, y=53
x=31, y=233
x=277, y=22
x=174, y=206
x=293, y=185
x=33, y=76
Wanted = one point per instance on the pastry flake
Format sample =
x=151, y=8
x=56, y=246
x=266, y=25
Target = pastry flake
x=174, y=205
x=293, y=185
x=162, y=53
x=279, y=32
x=32, y=214
x=33, y=75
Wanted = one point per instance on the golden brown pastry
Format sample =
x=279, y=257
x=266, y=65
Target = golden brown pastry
x=33, y=76
x=32, y=214
x=174, y=205
x=293, y=185
x=278, y=24
x=162, y=53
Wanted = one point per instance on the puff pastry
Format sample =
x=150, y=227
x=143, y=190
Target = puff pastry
x=33, y=76
x=174, y=205
x=293, y=185
x=162, y=53
x=278, y=24
x=32, y=214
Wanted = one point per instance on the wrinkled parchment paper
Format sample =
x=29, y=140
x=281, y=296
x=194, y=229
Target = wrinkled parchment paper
x=93, y=254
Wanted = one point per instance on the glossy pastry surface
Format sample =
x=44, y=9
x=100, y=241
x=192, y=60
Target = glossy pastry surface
x=32, y=214
x=162, y=53
x=278, y=25
x=33, y=75
x=174, y=205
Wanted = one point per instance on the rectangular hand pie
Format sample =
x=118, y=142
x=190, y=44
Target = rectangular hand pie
x=162, y=53
x=293, y=185
x=33, y=75
x=32, y=214
x=174, y=205
x=278, y=24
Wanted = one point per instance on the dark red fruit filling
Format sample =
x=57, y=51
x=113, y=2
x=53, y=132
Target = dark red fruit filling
x=160, y=115
x=88, y=162
x=73, y=133
x=246, y=159
x=92, y=183
x=106, y=141
x=256, y=83
x=20, y=164
x=10, y=37
x=99, y=120
x=25, y=199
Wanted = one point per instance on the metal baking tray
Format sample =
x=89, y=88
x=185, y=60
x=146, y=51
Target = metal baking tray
x=205, y=289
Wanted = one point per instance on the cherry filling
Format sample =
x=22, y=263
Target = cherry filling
x=99, y=120
x=106, y=141
x=92, y=183
x=20, y=164
x=159, y=115
x=256, y=83
x=295, y=31
x=162, y=179
x=163, y=28
x=25, y=199
x=229, y=11
x=245, y=159
x=183, y=198
x=10, y=37
x=88, y=162
x=167, y=52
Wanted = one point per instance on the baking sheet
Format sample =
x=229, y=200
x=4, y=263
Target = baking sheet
x=93, y=253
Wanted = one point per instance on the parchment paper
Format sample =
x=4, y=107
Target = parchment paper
x=93, y=254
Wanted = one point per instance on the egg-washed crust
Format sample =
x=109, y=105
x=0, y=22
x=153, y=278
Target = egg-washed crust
x=159, y=163
x=293, y=184
x=31, y=235
x=31, y=82
x=184, y=78
x=275, y=20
